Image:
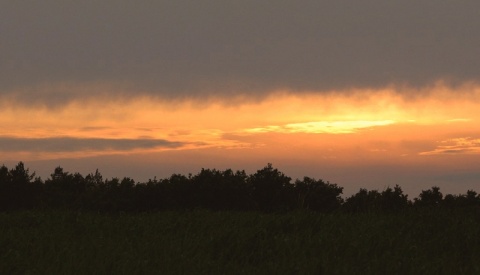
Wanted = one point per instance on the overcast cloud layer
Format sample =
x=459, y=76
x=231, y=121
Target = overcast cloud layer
x=194, y=48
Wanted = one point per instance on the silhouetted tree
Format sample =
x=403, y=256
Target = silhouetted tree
x=318, y=195
x=64, y=190
x=112, y=194
x=363, y=201
x=180, y=192
x=269, y=189
x=431, y=197
x=393, y=199
x=18, y=189
x=6, y=189
x=95, y=181
x=389, y=200
x=234, y=192
x=221, y=189
x=469, y=200
x=266, y=190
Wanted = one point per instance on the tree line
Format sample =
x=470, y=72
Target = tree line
x=268, y=189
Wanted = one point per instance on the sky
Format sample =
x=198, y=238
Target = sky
x=364, y=94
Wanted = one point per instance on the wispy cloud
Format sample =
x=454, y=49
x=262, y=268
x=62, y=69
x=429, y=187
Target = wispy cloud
x=322, y=127
x=464, y=145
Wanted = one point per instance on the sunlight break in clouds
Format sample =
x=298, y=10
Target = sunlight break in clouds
x=322, y=127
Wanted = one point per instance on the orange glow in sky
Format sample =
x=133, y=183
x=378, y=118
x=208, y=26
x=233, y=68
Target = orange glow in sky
x=364, y=127
x=348, y=120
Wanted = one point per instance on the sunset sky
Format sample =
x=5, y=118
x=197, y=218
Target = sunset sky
x=365, y=94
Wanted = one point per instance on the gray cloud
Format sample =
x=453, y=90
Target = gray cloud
x=67, y=144
x=194, y=48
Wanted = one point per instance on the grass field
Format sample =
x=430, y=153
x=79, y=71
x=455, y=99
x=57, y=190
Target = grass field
x=204, y=242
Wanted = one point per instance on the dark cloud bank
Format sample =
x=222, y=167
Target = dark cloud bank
x=67, y=144
x=191, y=48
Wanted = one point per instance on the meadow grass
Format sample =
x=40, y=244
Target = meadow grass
x=206, y=242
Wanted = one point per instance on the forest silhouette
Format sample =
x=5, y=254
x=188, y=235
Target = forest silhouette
x=268, y=189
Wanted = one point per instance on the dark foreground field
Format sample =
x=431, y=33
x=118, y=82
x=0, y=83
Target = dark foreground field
x=204, y=242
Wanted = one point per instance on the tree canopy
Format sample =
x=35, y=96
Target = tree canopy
x=268, y=189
